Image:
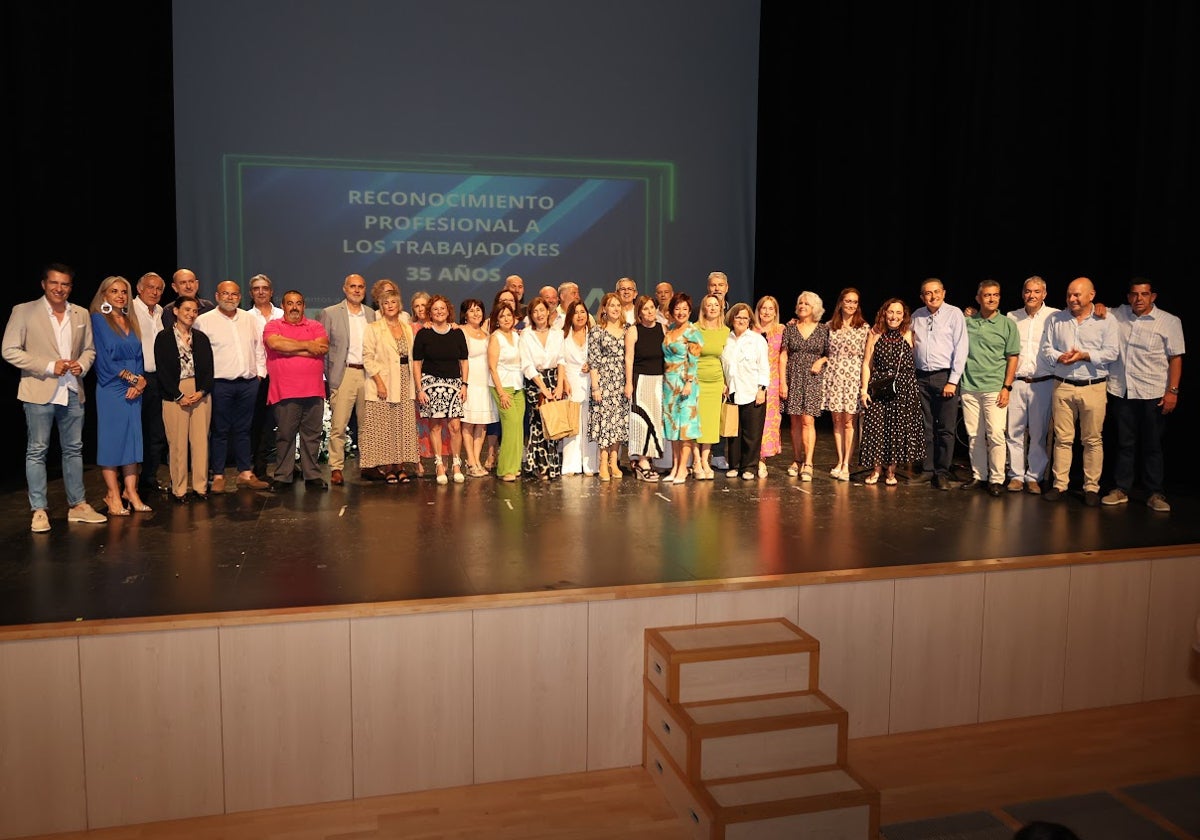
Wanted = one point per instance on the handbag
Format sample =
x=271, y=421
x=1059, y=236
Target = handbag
x=882, y=388
x=560, y=418
x=729, y=419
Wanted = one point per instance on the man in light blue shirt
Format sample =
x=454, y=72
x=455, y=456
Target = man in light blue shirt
x=1081, y=346
x=1143, y=388
x=940, y=350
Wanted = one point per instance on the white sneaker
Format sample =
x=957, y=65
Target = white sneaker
x=83, y=512
x=41, y=522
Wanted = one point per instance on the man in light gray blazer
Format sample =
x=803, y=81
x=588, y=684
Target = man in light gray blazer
x=345, y=323
x=50, y=341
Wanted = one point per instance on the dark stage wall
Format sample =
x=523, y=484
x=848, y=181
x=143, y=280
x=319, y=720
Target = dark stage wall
x=962, y=141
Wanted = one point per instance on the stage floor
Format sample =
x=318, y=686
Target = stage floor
x=373, y=542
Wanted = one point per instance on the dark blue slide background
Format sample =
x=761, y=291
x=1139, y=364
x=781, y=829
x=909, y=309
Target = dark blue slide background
x=637, y=120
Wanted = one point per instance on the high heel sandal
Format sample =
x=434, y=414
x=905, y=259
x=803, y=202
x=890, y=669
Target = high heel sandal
x=806, y=472
x=140, y=507
x=456, y=463
x=119, y=510
x=441, y=470
x=873, y=478
x=762, y=469
x=645, y=473
x=794, y=469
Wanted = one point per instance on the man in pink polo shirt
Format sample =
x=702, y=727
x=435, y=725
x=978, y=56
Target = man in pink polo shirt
x=296, y=346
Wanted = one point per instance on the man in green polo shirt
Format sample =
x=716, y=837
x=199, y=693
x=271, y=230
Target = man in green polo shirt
x=993, y=350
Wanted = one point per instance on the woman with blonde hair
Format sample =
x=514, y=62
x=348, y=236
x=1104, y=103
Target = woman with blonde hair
x=766, y=324
x=711, y=379
x=608, y=412
x=806, y=343
x=847, y=345
x=120, y=381
x=388, y=433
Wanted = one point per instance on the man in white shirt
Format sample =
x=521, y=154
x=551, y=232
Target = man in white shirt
x=345, y=323
x=262, y=427
x=1032, y=392
x=239, y=362
x=1143, y=388
x=149, y=313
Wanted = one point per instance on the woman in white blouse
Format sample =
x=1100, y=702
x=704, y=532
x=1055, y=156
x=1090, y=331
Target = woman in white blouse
x=579, y=454
x=508, y=388
x=545, y=379
x=747, y=376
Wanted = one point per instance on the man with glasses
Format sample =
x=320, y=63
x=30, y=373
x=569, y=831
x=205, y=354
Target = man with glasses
x=239, y=362
x=262, y=427
x=940, y=349
x=627, y=292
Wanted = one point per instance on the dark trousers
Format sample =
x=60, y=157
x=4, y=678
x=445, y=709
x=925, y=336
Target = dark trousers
x=262, y=430
x=1140, y=426
x=941, y=420
x=232, y=413
x=154, y=434
x=743, y=450
x=303, y=416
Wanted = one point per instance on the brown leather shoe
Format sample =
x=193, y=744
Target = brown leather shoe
x=336, y=477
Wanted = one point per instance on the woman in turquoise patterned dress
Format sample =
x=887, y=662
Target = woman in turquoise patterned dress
x=711, y=379
x=681, y=412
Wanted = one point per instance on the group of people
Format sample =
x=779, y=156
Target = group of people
x=663, y=377
x=1028, y=385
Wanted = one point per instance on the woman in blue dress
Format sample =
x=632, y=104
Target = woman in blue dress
x=681, y=392
x=120, y=381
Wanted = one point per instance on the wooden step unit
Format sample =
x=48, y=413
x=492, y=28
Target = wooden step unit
x=699, y=662
x=742, y=742
x=830, y=803
x=748, y=735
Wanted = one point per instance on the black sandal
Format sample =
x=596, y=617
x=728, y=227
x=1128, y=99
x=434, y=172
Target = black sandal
x=646, y=473
x=392, y=478
x=402, y=477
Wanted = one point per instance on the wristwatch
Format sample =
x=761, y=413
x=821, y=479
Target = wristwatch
x=1174, y=390
x=1006, y=387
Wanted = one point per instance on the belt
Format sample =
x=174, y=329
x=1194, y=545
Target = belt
x=356, y=367
x=1032, y=379
x=932, y=372
x=1079, y=383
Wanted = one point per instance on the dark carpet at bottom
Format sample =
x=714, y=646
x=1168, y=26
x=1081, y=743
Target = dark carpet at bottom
x=1092, y=816
x=1176, y=799
x=977, y=825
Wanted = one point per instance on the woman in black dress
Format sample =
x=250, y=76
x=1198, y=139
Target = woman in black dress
x=439, y=363
x=893, y=431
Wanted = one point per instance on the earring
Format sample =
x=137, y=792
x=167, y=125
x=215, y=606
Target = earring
x=106, y=307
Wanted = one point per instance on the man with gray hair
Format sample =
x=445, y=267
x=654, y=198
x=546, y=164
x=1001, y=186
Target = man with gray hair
x=1033, y=388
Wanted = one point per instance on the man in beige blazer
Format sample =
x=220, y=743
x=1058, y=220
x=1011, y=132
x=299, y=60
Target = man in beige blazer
x=50, y=341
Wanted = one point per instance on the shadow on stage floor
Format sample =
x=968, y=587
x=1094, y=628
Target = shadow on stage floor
x=373, y=542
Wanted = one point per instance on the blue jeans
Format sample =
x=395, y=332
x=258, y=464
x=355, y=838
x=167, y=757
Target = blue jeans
x=232, y=416
x=39, y=420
